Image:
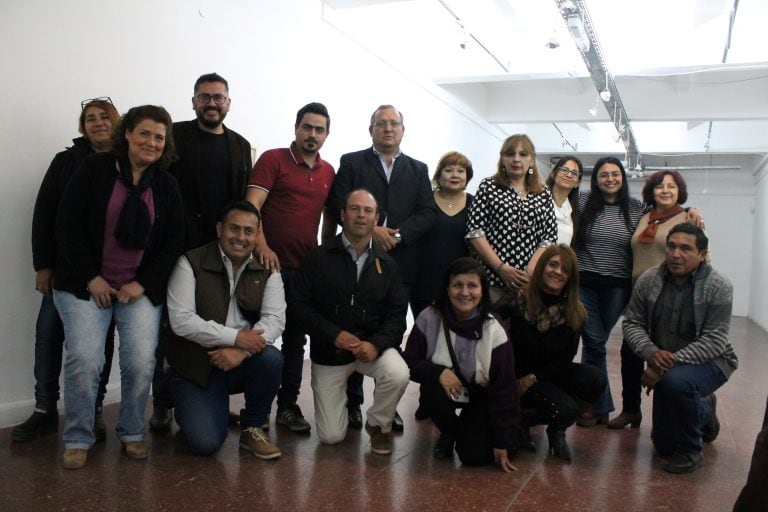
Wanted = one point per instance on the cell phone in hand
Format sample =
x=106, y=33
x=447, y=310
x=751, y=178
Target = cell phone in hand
x=461, y=396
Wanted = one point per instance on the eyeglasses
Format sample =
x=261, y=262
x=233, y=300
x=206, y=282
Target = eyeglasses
x=85, y=103
x=384, y=124
x=569, y=172
x=219, y=99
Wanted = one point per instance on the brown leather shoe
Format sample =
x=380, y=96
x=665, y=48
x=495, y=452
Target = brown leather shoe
x=626, y=418
x=74, y=458
x=136, y=449
x=256, y=441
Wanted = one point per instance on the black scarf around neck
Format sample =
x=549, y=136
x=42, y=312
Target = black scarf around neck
x=133, y=224
x=470, y=328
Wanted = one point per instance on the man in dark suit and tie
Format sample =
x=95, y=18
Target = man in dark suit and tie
x=400, y=184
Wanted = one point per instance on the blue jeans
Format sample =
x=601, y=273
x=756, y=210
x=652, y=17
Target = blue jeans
x=49, y=348
x=294, y=340
x=203, y=413
x=85, y=329
x=679, y=413
x=604, y=307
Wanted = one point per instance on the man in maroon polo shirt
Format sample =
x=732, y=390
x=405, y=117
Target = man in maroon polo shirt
x=290, y=187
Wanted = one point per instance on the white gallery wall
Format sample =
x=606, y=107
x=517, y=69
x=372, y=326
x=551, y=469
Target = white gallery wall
x=277, y=56
x=758, y=277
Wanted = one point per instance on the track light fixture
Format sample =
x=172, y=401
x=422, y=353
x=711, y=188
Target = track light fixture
x=605, y=94
x=567, y=8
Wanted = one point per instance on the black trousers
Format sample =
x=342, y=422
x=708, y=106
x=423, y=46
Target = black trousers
x=471, y=428
x=632, y=368
x=561, y=398
x=754, y=495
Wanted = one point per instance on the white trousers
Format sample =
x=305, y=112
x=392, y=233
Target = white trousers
x=329, y=387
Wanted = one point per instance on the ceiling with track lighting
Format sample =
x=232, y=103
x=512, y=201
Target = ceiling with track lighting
x=691, y=75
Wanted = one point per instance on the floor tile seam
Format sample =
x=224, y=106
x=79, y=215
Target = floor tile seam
x=516, y=495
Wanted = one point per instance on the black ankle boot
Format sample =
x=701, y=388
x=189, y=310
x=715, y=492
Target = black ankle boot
x=557, y=444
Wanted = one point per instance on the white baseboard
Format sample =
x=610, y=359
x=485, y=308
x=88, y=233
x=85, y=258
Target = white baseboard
x=16, y=412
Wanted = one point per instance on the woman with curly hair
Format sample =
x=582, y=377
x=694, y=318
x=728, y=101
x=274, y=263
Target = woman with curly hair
x=119, y=230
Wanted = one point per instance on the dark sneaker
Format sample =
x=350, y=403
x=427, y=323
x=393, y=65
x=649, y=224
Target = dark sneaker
x=39, y=424
x=292, y=418
x=256, y=441
x=161, y=419
x=712, y=429
x=99, y=427
x=379, y=440
x=684, y=462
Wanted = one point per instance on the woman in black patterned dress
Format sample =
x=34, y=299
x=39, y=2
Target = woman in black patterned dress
x=511, y=220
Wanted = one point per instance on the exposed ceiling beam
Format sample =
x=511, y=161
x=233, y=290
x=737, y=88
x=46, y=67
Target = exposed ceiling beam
x=576, y=17
x=731, y=20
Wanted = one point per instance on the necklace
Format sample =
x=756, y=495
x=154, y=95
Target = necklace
x=451, y=201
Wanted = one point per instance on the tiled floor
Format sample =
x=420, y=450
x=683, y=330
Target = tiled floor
x=611, y=470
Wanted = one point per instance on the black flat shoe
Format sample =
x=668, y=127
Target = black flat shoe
x=161, y=419
x=355, y=416
x=443, y=447
x=397, y=423
x=684, y=462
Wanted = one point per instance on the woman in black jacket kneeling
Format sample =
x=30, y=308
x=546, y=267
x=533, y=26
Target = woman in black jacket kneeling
x=545, y=320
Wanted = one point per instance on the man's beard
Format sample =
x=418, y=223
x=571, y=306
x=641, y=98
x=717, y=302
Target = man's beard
x=208, y=123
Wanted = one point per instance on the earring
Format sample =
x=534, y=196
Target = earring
x=530, y=170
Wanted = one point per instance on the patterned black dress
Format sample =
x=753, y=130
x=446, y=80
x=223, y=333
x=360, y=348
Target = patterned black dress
x=513, y=226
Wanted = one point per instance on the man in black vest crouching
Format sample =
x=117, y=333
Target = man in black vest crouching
x=226, y=310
